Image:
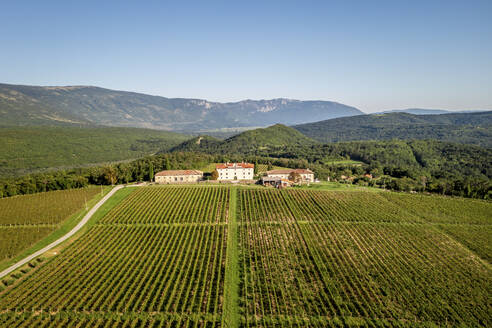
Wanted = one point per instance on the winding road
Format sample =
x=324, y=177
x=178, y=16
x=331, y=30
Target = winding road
x=65, y=237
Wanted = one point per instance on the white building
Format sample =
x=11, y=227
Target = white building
x=178, y=176
x=235, y=171
x=306, y=174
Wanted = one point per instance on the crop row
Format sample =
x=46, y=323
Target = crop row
x=477, y=238
x=69, y=319
x=172, y=204
x=443, y=209
x=379, y=273
x=306, y=205
x=44, y=208
x=15, y=239
x=169, y=269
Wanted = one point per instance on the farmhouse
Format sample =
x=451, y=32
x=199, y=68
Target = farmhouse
x=235, y=171
x=276, y=182
x=305, y=174
x=178, y=176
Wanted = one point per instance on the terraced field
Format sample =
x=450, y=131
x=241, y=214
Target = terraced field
x=209, y=256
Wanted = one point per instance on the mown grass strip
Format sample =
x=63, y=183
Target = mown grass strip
x=231, y=317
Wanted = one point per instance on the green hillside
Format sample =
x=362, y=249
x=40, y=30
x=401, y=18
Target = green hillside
x=28, y=149
x=467, y=128
x=251, y=141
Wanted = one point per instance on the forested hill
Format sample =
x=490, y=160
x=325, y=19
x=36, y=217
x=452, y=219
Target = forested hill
x=29, y=149
x=28, y=105
x=264, y=140
x=467, y=128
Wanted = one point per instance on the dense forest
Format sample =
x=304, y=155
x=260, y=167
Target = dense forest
x=465, y=128
x=403, y=165
x=30, y=149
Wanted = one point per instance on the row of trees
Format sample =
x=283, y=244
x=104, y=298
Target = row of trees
x=467, y=177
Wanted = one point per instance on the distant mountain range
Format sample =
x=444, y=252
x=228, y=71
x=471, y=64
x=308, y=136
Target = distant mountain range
x=423, y=111
x=87, y=105
x=467, y=128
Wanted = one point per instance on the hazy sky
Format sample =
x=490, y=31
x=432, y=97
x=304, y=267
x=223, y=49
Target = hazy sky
x=374, y=55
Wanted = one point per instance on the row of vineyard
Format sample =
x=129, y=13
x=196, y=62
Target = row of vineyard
x=442, y=209
x=314, y=259
x=70, y=319
x=25, y=220
x=172, y=204
x=477, y=238
x=304, y=259
x=349, y=206
x=374, y=274
x=307, y=205
x=44, y=208
x=170, y=269
x=15, y=240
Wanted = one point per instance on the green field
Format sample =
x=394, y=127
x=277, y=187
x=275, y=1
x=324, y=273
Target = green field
x=25, y=220
x=208, y=256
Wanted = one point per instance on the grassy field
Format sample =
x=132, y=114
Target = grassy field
x=35, y=220
x=208, y=256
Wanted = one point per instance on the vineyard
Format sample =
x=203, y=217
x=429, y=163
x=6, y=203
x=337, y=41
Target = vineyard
x=209, y=256
x=318, y=259
x=44, y=208
x=24, y=220
x=173, y=204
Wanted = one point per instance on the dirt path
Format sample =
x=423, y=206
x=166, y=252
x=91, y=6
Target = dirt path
x=61, y=239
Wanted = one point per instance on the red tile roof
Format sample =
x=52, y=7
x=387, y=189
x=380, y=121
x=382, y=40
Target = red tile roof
x=178, y=172
x=235, y=165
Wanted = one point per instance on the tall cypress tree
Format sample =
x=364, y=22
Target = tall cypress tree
x=151, y=171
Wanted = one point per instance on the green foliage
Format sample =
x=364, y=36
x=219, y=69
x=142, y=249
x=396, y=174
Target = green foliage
x=249, y=142
x=354, y=256
x=29, y=149
x=25, y=220
x=467, y=128
x=47, y=208
x=212, y=255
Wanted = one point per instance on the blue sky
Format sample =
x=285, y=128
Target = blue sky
x=374, y=55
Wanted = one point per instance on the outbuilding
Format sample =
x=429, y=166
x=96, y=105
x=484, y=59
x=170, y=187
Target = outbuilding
x=178, y=176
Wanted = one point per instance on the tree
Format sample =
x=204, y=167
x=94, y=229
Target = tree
x=110, y=175
x=167, y=164
x=151, y=171
x=270, y=166
x=256, y=167
x=215, y=175
x=295, y=177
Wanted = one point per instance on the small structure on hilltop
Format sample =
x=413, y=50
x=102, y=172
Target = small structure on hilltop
x=276, y=182
x=235, y=171
x=305, y=175
x=178, y=176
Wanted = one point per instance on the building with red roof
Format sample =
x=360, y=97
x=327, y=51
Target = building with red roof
x=235, y=171
x=178, y=176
